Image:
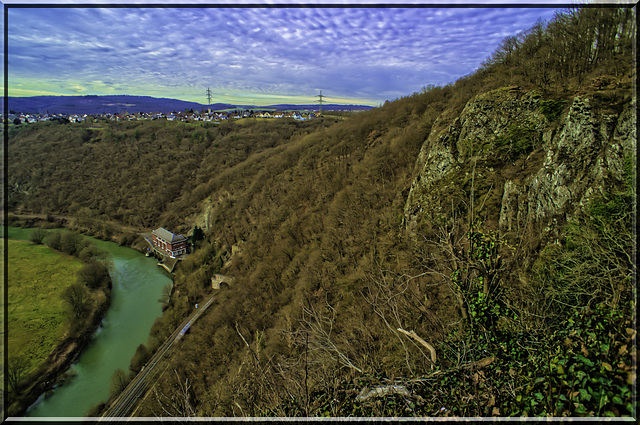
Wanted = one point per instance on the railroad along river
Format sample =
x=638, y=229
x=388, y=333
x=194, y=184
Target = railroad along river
x=137, y=286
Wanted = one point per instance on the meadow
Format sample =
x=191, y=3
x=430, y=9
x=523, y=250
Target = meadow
x=36, y=312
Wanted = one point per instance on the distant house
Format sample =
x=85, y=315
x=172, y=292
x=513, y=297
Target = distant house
x=169, y=243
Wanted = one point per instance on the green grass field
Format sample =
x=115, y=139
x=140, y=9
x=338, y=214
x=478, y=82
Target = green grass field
x=36, y=312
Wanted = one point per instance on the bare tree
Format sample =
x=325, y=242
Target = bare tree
x=16, y=368
x=118, y=382
x=166, y=295
x=317, y=331
x=260, y=383
x=394, y=299
x=179, y=402
x=77, y=298
x=469, y=260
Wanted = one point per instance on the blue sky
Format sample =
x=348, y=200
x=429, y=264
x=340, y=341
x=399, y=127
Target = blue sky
x=260, y=56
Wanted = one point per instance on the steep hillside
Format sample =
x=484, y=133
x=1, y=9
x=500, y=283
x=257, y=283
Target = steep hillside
x=342, y=241
x=466, y=250
x=326, y=274
x=138, y=173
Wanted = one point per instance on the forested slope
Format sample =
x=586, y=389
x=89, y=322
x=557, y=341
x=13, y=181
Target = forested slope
x=491, y=217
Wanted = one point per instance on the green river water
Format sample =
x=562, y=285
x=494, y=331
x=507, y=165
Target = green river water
x=137, y=286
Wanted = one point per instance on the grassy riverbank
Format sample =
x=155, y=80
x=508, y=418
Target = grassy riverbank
x=37, y=314
x=58, y=294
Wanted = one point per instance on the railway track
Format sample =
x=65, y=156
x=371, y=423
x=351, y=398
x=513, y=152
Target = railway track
x=124, y=404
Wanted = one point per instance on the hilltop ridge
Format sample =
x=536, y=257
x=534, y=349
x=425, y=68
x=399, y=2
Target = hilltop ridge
x=93, y=104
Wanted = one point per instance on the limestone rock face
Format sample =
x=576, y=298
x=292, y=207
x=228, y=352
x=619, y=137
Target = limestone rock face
x=578, y=156
x=208, y=216
x=437, y=163
x=582, y=160
x=468, y=137
x=489, y=115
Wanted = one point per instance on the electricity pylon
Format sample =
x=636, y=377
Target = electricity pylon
x=208, y=96
x=320, y=101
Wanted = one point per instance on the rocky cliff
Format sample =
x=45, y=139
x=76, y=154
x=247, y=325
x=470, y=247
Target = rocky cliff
x=520, y=162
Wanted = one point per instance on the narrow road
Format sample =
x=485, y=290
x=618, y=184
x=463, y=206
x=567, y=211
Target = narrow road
x=123, y=405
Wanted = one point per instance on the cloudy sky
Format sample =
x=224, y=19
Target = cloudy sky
x=252, y=55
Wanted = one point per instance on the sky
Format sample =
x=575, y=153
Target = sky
x=253, y=55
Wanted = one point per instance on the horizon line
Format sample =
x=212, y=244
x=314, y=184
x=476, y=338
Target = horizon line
x=311, y=102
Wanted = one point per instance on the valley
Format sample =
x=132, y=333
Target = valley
x=464, y=251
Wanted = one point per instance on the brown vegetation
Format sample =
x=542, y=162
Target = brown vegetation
x=309, y=220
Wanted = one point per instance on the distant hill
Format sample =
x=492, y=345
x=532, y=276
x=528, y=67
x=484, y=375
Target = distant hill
x=325, y=107
x=102, y=104
x=124, y=103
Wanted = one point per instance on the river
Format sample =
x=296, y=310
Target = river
x=137, y=286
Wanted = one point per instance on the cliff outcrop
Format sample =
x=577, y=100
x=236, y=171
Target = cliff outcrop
x=520, y=162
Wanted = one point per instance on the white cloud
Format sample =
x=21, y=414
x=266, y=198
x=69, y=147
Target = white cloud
x=369, y=53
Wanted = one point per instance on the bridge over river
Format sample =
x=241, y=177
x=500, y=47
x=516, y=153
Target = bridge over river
x=124, y=404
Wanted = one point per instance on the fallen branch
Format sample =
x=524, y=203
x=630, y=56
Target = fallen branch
x=382, y=392
x=429, y=347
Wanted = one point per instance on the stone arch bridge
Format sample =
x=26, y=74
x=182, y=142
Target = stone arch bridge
x=219, y=279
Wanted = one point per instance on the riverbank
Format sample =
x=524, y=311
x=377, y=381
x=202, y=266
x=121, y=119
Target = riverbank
x=137, y=285
x=50, y=373
x=108, y=231
x=38, y=314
